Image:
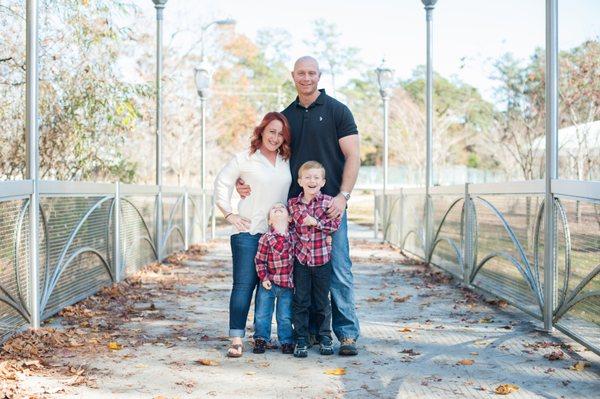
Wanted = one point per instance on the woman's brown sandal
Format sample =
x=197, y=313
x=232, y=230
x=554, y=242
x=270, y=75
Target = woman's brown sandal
x=235, y=350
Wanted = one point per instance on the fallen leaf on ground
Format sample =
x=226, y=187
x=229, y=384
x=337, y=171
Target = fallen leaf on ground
x=579, y=366
x=338, y=371
x=379, y=298
x=115, y=346
x=410, y=352
x=556, y=355
x=485, y=320
x=207, y=362
x=405, y=329
x=466, y=362
x=505, y=389
x=400, y=299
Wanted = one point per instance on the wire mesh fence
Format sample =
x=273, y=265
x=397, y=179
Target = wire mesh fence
x=492, y=237
x=80, y=225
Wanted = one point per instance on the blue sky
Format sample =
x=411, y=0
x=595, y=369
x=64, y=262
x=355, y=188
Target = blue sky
x=468, y=34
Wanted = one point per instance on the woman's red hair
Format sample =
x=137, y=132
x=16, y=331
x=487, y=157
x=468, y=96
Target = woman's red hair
x=285, y=150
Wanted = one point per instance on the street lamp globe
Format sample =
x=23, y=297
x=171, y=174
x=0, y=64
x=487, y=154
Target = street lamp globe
x=228, y=21
x=202, y=79
x=385, y=79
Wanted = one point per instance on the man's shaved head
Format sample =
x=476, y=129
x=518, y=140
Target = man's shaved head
x=306, y=59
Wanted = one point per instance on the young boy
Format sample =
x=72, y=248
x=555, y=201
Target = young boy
x=312, y=267
x=274, y=265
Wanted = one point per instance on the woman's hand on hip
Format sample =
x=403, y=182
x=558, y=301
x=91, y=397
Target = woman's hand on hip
x=240, y=223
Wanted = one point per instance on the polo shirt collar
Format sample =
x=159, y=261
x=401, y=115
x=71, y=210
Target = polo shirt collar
x=319, y=101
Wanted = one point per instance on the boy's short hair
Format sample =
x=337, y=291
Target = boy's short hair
x=311, y=165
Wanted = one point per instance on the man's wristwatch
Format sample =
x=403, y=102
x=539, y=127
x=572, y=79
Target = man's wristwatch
x=346, y=195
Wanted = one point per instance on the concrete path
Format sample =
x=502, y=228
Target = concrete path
x=422, y=337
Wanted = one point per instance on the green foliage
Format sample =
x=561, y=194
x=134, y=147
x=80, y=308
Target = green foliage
x=86, y=111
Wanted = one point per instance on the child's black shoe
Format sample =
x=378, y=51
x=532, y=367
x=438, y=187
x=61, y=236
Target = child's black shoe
x=326, y=346
x=260, y=345
x=301, y=349
x=287, y=349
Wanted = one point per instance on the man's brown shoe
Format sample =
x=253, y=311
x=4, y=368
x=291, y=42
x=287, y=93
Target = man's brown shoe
x=348, y=347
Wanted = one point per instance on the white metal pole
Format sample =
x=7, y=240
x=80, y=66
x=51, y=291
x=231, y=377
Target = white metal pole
x=551, y=159
x=117, y=233
x=31, y=125
x=203, y=165
x=386, y=217
x=429, y=6
x=159, y=5
x=186, y=224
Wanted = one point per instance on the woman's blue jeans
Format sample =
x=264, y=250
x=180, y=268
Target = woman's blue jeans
x=243, y=251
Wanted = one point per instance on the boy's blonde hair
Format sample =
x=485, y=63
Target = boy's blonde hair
x=310, y=165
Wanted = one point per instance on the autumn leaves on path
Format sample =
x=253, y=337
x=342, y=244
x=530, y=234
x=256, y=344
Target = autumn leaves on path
x=162, y=334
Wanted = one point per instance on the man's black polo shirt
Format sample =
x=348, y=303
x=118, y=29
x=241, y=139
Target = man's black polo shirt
x=315, y=134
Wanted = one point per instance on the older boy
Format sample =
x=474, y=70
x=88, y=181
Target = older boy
x=312, y=267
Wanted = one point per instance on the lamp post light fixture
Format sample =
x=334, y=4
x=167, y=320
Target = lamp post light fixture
x=202, y=80
x=159, y=5
x=221, y=22
x=385, y=80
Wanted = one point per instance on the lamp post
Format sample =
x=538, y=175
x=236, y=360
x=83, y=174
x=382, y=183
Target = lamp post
x=221, y=22
x=429, y=6
x=202, y=79
x=385, y=78
x=160, y=6
x=31, y=126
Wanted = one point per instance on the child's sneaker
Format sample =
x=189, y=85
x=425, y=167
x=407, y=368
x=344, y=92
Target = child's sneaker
x=326, y=346
x=313, y=339
x=301, y=349
x=287, y=349
x=259, y=345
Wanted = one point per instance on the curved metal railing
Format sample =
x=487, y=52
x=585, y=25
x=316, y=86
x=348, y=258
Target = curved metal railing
x=80, y=227
x=491, y=236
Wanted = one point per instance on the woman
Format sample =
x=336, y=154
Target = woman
x=266, y=168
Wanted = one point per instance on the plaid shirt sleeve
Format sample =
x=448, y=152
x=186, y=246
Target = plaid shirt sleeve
x=297, y=212
x=261, y=258
x=324, y=223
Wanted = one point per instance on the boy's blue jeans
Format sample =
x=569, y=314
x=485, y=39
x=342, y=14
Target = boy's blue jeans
x=263, y=313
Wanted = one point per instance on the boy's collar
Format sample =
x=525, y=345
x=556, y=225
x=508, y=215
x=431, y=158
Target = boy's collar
x=317, y=196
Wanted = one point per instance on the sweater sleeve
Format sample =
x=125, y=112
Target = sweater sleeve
x=225, y=183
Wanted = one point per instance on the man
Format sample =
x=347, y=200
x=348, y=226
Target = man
x=323, y=130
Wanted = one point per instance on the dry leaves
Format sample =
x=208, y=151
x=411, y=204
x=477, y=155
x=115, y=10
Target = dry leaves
x=466, y=362
x=401, y=299
x=338, y=371
x=115, y=346
x=555, y=355
x=404, y=330
x=379, y=298
x=207, y=362
x=505, y=389
x=579, y=366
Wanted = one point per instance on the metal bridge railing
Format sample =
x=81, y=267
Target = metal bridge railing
x=90, y=235
x=491, y=237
